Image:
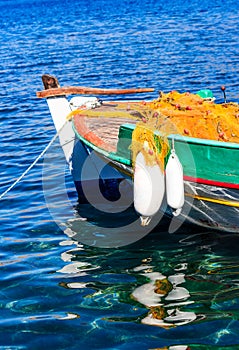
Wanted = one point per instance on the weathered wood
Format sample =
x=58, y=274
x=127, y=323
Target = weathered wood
x=52, y=88
x=107, y=128
x=50, y=82
x=102, y=132
x=82, y=90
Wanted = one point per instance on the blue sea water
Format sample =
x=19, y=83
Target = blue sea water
x=55, y=291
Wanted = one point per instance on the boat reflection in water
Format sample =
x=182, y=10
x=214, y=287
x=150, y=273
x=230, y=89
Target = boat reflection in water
x=164, y=297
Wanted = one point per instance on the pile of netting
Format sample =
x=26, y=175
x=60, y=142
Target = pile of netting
x=190, y=115
x=186, y=114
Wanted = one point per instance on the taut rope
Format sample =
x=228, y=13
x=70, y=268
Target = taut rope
x=34, y=163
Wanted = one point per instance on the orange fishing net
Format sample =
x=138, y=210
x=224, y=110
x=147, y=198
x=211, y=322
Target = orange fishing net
x=186, y=114
x=190, y=115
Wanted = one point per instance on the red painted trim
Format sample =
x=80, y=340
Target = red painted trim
x=87, y=134
x=211, y=182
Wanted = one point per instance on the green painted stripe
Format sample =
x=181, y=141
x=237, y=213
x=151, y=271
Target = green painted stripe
x=204, y=142
x=206, y=159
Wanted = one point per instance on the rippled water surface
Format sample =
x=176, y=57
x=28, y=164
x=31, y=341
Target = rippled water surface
x=166, y=289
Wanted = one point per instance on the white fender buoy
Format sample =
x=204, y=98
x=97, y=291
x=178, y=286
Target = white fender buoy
x=149, y=189
x=174, y=183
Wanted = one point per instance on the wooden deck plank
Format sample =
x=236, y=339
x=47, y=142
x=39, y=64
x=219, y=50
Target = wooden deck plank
x=102, y=129
x=107, y=128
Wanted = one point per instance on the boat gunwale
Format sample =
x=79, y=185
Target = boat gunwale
x=206, y=142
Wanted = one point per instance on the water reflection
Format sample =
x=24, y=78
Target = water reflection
x=164, y=297
x=163, y=281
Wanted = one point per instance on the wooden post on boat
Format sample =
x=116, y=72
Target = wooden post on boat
x=52, y=88
x=50, y=82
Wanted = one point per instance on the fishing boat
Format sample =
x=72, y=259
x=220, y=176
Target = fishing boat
x=136, y=153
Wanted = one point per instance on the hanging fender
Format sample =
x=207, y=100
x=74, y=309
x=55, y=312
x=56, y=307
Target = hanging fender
x=174, y=183
x=149, y=189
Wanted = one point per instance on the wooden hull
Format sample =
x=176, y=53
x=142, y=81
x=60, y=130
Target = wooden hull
x=211, y=179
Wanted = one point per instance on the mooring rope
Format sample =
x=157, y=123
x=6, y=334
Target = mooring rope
x=34, y=163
